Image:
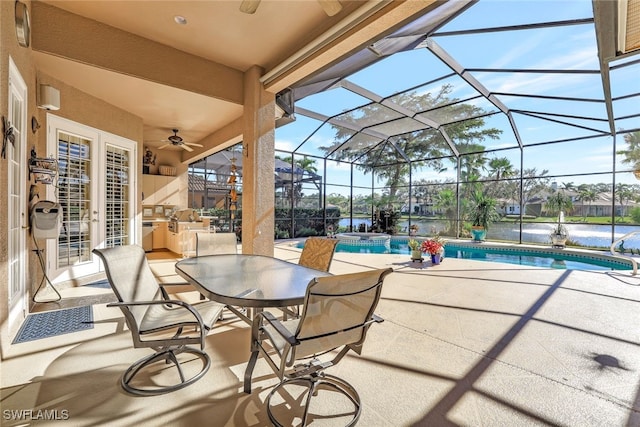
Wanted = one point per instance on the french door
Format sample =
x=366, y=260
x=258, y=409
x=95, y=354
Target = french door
x=96, y=189
x=17, y=200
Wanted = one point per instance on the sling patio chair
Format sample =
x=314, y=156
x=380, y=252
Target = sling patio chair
x=318, y=252
x=167, y=326
x=336, y=315
x=216, y=243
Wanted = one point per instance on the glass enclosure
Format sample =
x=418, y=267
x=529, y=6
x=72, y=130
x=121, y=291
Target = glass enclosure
x=506, y=101
x=215, y=189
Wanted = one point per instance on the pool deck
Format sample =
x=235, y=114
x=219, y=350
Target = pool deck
x=463, y=343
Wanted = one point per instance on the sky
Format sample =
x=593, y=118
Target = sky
x=570, y=48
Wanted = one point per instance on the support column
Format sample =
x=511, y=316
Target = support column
x=258, y=166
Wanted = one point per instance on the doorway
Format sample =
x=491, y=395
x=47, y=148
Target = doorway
x=17, y=204
x=96, y=189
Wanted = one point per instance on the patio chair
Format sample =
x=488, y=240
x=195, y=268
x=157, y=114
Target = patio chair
x=216, y=243
x=337, y=312
x=155, y=321
x=318, y=253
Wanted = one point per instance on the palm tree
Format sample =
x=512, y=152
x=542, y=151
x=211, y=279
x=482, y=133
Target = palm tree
x=445, y=200
x=501, y=167
x=304, y=163
x=587, y=193
x=557, y=203
x=568, y=186
x=307, y=164
x=632, y=153
x=623, y=193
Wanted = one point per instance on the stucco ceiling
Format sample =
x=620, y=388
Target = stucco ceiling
x=215, y=30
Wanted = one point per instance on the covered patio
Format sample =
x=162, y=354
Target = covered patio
x=463, y=343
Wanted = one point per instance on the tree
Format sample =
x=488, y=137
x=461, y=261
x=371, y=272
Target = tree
x=632, y=153
x=473, y=163
x=501, y=167
x=587, y=193
x=303, y=163
x=568, y=186
x=342, y=202
x=424, y=192
x=623, y=193
x=533, y=184
x=295, y=189
x=445, y=201
x=557, y=203
x=389, y=157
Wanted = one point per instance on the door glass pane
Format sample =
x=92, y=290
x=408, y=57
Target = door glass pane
x=74, y=194
x=117, y=197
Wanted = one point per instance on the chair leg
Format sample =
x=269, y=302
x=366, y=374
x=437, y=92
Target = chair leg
x=167, y=355
x=171, y=355
x=249, y=371
x=312, y=383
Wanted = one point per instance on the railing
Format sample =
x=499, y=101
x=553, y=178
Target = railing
x=612, y=249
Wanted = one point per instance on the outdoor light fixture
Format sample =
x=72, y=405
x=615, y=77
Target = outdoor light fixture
x=48, y=97
x=23, y=26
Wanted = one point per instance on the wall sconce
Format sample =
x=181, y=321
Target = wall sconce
x=48, y=97
x=34, y=124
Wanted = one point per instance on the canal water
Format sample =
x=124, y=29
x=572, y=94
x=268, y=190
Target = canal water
x=588, y=235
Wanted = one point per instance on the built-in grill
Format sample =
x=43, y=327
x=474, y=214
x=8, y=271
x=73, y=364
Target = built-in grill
x=181, y=218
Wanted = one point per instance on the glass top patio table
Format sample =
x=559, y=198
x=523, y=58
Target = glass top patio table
x=248, y=280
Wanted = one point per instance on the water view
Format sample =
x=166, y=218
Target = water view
x=588, y=235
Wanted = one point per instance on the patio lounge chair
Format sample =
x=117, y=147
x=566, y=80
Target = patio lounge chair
x=155, y=321
x=337, y=312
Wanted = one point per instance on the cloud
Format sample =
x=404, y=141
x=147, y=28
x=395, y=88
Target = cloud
x=284, y=145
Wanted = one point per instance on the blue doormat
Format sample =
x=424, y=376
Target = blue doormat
x=58, y=322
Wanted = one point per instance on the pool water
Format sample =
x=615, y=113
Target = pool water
x=564, y=261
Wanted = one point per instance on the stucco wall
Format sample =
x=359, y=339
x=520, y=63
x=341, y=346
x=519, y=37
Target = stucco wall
x=76, y=106
x=22, y=58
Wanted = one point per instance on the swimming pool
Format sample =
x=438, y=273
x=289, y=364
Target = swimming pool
x=565, y=259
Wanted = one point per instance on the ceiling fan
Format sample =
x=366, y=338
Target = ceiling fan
x=330, y=7
x=177, y=141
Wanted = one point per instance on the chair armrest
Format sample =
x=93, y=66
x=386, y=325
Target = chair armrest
x=182, y=304
x=163, y=291
x=279, y=327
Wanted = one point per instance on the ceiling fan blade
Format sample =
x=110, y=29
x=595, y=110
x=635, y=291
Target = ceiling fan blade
x=193, y=144
x=164, y=146
x=330, y=7
x=186, y=147
x=249, y=6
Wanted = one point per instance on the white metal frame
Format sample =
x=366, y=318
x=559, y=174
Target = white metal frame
x=99, y=141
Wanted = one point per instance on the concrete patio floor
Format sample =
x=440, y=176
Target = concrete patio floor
x=465, y=343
